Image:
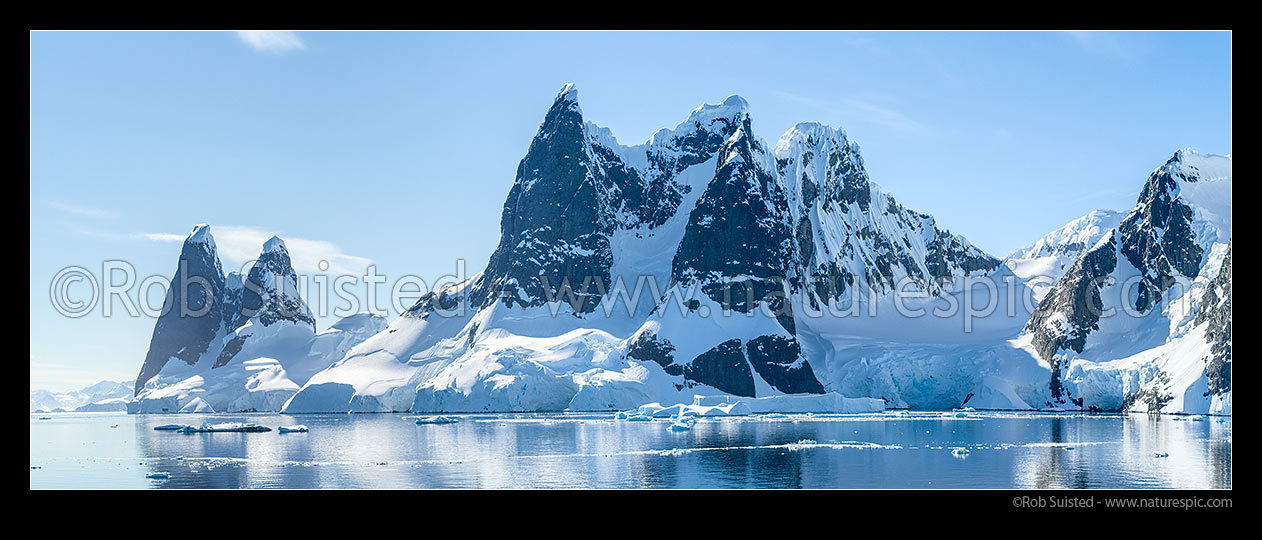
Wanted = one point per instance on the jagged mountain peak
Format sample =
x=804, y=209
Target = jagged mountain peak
x=274, y=244
x=810, y=133
x=201, y=235
x=568, y=93
x=1073, y=237
x=720, y=118
x=1191, y=165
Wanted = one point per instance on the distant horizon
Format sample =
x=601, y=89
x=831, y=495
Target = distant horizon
x=354, y=149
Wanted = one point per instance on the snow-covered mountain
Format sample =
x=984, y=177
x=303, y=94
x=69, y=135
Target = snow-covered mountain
x=237, y=344
x=703, y=261
x=1141, y=320
x=97, y=397
x=1043, y=263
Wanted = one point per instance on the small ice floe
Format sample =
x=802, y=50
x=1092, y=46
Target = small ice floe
x=292, y=429
x=158, y=475
x=962, y=412
x=227, y=427
x=774, y=416
x=959, y=452
x=170, y=427
x=621, y=415
x=639, y=418
x=437, y=420
x=1160, y=454
x=683, y=423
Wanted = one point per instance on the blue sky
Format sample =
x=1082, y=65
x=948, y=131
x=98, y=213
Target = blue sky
x=398, y=148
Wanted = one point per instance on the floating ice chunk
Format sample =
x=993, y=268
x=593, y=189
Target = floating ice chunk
x=437, y=420
x=292, y=429
x=231, y=427
x=960, y=452
x=637, y=417
x=1160, y=454
x=158, y=475
x=683, y=423
x=170, y=427
x=830, y=403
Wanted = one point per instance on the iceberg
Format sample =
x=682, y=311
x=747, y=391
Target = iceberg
x=292, y=429
x=437, y=420
x=723, y=405
x=960, y=452
x=228, y=427
x=683, y=423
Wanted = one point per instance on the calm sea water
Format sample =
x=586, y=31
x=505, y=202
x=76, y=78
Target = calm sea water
x=891, y=450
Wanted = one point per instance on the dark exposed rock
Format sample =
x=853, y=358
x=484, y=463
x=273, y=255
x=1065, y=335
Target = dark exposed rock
x=192, y=314
x=1216, y=311
x=266, y=291
x=738, y=229
x=1156, y=238
x=947, y=253
x=1077, y=298
x=1154, y=395
x=649, y=348
x=552, y=215
x=724, y=367
x=779, y=361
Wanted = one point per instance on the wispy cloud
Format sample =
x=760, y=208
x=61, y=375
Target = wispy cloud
x=82, y=211
x=853, y=109
x=239, y=245
x=272, y=41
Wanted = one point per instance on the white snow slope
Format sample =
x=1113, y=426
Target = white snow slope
x=1042, y=263
x=273, y=356
x=549, y=358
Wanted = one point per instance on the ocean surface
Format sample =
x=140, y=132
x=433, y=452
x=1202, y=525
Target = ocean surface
x=888, y=450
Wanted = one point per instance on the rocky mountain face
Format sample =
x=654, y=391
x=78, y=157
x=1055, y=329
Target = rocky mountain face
x=1128, y=293
x=1045, y=261
x=707, y=262
x=192, y=315
x=1215, y=314
x=732, y=232
x=239, y=344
